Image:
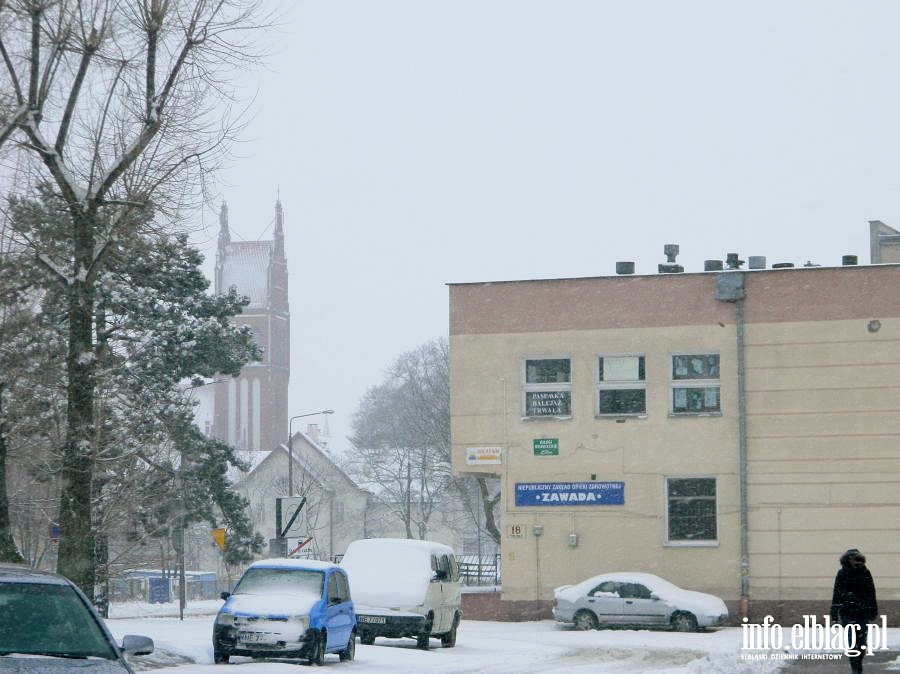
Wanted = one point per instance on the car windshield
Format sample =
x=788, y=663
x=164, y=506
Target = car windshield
x=43, y=619
x=264, y=580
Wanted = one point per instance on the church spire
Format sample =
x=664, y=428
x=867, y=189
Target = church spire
x=224, y=234
x=279, y=228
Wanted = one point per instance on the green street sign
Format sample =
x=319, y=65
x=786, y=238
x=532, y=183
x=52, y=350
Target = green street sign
x=546, y=446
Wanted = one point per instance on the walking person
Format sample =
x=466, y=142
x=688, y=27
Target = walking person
x=853, y=602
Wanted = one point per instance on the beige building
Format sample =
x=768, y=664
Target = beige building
x=731, y=431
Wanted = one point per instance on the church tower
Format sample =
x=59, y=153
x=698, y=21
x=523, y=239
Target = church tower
x=251, y=410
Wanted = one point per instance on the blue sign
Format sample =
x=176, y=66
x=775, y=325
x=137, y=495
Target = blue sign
x=570, y=493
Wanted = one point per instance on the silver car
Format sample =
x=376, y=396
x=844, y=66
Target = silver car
x=636, y=600
x=47, y=625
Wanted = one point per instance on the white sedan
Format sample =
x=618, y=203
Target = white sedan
x=636, y=600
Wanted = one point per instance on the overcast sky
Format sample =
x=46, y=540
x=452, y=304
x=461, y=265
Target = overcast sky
x=425, y=142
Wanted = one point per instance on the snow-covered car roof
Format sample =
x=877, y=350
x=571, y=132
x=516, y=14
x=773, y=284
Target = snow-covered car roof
x=18, y=573
x=281, y=563
x=648, y=579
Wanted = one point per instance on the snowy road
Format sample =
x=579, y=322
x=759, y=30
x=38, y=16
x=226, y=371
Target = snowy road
x=482, y=648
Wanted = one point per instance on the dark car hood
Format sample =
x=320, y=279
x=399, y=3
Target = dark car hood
x=37, y=665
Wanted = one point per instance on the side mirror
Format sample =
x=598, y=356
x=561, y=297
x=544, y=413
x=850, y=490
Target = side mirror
x=654, y=597
x=224, y=595
x=134, y=644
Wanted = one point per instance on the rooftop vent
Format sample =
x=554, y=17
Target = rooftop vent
x=713, y=265
x=849, y=260
x=624, y=267
x=756, y=261
x=733, y=261
x=782, y=265
x=671, y=252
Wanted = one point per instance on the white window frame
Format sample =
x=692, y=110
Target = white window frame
x=693, y=384
x=637, y=384
x=697, y=543
x=549, y=386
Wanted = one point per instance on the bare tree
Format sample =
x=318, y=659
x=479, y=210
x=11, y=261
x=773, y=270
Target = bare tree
x=402, y=442
x=115, y=106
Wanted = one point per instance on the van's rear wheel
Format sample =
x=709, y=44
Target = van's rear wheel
x=448, y=640
x=348, y=653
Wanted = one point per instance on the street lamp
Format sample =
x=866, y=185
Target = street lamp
x=291, y=446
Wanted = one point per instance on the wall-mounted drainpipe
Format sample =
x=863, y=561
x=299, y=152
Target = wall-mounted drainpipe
x=730, y=288
x=742, y=461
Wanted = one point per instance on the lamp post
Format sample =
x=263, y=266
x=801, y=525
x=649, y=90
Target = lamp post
x=291, y=446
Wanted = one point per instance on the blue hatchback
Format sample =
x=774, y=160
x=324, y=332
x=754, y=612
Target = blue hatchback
x=287, y=608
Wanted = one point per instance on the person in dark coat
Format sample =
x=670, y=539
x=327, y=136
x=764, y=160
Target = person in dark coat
x=853, y=601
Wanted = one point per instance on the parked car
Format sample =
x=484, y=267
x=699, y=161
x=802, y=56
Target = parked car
x=287, y=608
x=47, y=625
x=636, y=600
x=404, y=588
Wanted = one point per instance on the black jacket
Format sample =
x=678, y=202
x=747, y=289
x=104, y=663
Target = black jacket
x=853, y=600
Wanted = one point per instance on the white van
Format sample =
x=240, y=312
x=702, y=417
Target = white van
x=404, y=588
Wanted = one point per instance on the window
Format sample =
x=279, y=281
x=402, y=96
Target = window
x=548, y=387
x=691, y=511
x=334, y=592
x=695, y=384
x=621, y=385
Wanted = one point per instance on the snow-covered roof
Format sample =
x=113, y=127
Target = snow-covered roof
x=246, y=266
x=252, y=457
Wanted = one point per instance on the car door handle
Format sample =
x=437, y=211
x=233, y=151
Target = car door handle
x=591, y=599
x=628, y=601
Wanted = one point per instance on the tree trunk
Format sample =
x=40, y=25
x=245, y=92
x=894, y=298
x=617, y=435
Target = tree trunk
x=8, y=550
x=76, y=543
x=489, y=502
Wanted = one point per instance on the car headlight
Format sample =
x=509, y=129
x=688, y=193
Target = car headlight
x=225, y=619
x=302, y=620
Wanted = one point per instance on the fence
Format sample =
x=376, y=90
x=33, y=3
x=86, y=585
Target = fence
x=479, y=570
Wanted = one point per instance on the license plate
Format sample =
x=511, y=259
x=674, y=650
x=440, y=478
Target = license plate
x=380, y=620
x=252, y=637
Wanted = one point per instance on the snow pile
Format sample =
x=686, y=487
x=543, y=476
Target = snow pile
x=136, y=609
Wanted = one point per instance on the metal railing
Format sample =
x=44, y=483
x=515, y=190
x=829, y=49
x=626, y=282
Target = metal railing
x=479, y=570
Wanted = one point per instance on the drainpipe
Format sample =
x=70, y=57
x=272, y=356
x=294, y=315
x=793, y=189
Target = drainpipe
x=742, y=461
x=730, y=288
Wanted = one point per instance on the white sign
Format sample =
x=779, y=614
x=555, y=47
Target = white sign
x=482, y=456
x=289, y=521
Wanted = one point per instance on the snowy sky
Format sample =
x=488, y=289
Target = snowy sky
x=421, y=142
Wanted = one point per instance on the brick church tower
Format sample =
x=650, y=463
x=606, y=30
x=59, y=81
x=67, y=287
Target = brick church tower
x=251, y=410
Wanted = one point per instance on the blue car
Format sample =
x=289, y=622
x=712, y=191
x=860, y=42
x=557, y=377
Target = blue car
x=287, y=608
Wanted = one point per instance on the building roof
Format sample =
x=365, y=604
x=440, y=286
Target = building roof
x=246, y=266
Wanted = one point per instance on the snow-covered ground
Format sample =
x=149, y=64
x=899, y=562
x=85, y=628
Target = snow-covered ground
x=483, y=647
